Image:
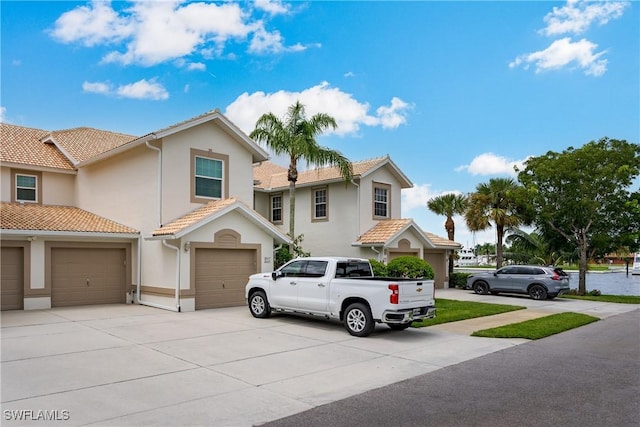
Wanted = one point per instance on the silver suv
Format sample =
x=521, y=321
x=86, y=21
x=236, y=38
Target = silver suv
x=537, y=281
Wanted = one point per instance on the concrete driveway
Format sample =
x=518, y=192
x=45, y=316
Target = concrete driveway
x=135, y=365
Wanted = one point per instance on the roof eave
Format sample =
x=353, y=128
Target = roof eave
x=26, y=166
x=48, y=233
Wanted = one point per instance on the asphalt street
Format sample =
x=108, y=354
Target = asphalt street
x=588, y=376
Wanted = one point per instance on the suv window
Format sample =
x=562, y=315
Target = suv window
x=508, y=270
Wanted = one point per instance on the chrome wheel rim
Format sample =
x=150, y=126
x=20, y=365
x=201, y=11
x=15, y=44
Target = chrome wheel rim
x=257, y=305
x=356, y=320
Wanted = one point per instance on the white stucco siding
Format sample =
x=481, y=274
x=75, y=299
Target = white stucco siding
x=58, y=189
x=261, y=204
x=381, y=176
x=122, y=188
x=331, y=237
x=176, y=168
x=5, y=184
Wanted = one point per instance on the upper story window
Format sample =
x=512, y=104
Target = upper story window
x=320, y=208
x=381, y=200
x=27, y=186
x=276, y=208
x=209, y=176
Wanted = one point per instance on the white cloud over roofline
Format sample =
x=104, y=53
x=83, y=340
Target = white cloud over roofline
x=492, y=164
x=349, y=113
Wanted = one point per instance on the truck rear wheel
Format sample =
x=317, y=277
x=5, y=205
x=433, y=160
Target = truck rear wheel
x=258, y=305
x=358, y=320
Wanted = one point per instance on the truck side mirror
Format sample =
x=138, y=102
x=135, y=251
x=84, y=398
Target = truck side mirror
x=276, y=274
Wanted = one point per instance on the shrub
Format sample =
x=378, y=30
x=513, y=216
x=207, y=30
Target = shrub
x=410, y=267
x=378, y=267
x=458, y=280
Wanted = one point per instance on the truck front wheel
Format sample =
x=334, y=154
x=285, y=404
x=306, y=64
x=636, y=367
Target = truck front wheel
x=358, y=320
x=258, y=305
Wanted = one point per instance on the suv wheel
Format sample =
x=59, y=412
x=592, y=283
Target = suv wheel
x=538, y=292
x=481, y=287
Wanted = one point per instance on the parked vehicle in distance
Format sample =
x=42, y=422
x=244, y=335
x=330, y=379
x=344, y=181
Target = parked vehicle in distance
x=342, y=289
x=539, y=282
x=635, y=269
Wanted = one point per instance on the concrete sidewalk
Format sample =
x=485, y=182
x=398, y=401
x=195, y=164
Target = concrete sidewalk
x=136, y=365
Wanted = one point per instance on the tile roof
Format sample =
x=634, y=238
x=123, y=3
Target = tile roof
x=193, y=217
x=387, y=229
x=24, y=146
x=441, y=241
x=83, y=143
x=18, y=216
x=383, y=231
x=272, y=176
x=37, y=147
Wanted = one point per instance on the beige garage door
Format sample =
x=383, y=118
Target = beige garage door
x=12, y=280
x=221, y=275
x=81, y=276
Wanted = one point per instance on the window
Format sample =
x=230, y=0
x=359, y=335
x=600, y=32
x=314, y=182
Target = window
x=26, y=188
x=304, y=268
x=276, y=208
x=209, y=176
x=320, y=209
x=381, y=202
x=353, y=269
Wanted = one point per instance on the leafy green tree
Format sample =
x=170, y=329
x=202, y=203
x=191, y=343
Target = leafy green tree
x=583, y=194
x=296, y=138
x=449, y=205
x=531, y=248
x=499, y=202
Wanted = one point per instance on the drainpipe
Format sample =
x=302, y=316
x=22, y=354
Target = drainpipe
x=139, y=296
x=377, y=252
x=177, y=249
x=357, y=208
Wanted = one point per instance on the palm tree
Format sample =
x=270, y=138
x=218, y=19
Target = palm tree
x=449, y=205
x=296, y=138
x=497, y=202
x=531, y=248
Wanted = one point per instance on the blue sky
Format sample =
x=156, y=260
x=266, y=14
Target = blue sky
x=455, y=92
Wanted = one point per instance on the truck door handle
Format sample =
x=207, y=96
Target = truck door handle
x=321, y=285
x=292, y=283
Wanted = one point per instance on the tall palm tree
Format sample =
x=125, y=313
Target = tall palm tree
x=495, y=202
x=449, y=205
x=296, y=138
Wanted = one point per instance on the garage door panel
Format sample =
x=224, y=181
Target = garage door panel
x=221, y=275
x=12, y=278
x=82, y=276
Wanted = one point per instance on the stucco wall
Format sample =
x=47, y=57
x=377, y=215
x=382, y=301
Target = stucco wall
x=58, y=189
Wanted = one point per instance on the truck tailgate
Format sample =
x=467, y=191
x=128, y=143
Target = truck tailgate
x=416, y=292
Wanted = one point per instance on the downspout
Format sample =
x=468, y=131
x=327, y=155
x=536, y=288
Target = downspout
x=373, y=248
x=357, y=208
x=138, y=293
x=177, y=249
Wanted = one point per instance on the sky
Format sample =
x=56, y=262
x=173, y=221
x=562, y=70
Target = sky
x=455, y=92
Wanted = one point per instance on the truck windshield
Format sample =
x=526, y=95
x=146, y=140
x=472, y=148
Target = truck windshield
x=353, y=269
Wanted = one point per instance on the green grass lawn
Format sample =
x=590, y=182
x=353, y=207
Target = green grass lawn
x=620, y=299
x=538, y=328
x=453, y=311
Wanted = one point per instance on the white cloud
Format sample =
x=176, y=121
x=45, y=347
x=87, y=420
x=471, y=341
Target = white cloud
x=418, y=196
x=3, y=114
x=577, y=16
x=348, y=112
x=562, y=53
x=198, y=66
x=97, y=87
x=272, y=7
x=143, y=89
x=492, y=164
x=152, y=32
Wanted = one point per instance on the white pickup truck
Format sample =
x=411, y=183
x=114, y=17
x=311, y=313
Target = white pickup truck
x=342, y=289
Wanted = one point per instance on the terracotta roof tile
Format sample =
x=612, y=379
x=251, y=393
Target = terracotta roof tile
x=383, y=231
x=23, y=145
x=272, y=176
x=442, y=242
x=17, y=216
x=83, y=143
x=193, y=217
